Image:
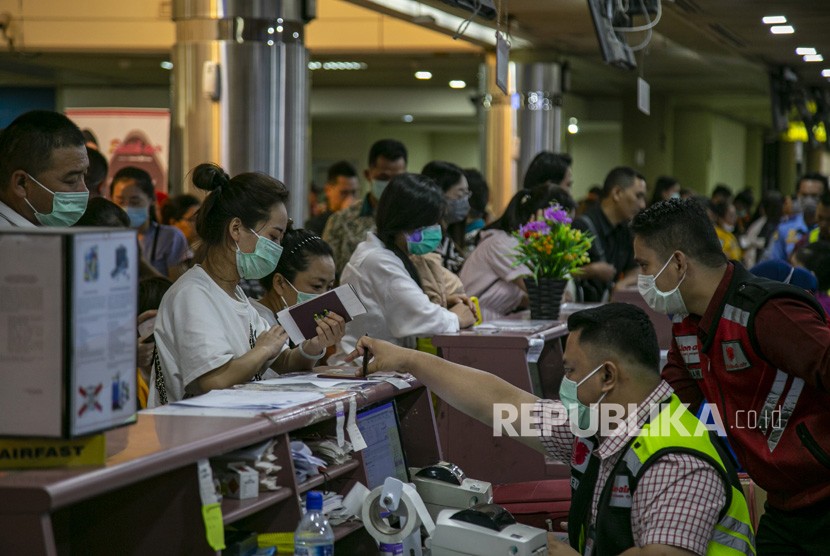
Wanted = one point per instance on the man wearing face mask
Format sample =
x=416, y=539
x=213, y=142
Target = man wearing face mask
x=757, y=350
x=809, y=189
x=345, y=229
x=42, y=164
x=636, y=491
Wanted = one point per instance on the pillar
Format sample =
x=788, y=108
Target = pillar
x=500, y=144
x=240, y=91
x=539, y=86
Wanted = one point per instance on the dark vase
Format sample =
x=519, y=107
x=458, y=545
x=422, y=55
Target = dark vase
x=545, y=297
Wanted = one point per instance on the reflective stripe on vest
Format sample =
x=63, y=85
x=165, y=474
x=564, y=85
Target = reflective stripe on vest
x=732, y=534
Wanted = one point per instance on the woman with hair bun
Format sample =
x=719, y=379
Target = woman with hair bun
x=208, y=335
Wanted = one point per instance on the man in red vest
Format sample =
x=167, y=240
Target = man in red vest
x=759, y=352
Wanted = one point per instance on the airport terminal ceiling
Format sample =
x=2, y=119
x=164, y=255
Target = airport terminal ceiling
x=700, y=46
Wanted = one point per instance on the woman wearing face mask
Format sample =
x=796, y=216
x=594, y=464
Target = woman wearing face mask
x=452, y=181
x=164, y=247
x=305, y=270
x=208, y=335
x=387, y=282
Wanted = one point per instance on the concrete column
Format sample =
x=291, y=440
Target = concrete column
x=500, y=145
x=540, y=110
x=240, y=91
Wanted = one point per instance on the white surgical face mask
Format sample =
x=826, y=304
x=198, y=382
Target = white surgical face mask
x=670, y=302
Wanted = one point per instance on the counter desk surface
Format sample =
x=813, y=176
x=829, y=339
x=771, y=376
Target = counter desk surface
x=149, y=476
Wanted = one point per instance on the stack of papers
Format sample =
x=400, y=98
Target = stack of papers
x=306, y=464
x=262, y=400
x=330, y=451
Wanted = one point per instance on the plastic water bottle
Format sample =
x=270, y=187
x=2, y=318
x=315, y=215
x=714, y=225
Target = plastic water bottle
x=314, y=536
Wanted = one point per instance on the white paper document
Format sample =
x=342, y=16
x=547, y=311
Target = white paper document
x=251, y=399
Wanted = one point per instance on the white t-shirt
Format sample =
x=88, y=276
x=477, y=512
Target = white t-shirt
x=199, y=328
x=489, y=274
x=264, y=312
x=396, y=308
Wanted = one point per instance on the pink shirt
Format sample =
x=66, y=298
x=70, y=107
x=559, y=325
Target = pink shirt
x=488, y=274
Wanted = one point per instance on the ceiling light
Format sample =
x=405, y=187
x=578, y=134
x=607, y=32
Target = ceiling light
x=825, y=73
x=573, y=129
x=814, y=58
x=782, y=29
x=774, y=19
x=423, y=75
x=315, y=65
x=457, y=84
x=167, y=64
x=408, y=118
x=805, y=51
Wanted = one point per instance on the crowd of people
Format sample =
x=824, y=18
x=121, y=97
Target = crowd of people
x=217, y=267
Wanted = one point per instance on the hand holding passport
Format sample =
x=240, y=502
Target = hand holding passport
x=300, y=321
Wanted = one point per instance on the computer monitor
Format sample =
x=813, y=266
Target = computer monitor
x=383, y=456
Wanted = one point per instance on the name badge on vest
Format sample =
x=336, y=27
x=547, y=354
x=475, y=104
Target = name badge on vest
x=734, y=358
x=620, y=493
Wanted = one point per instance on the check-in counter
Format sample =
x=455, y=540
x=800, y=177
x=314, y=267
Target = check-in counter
x=145, y=499
x=525, y=353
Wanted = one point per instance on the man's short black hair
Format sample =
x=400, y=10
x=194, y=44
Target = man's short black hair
x=816, y=257
x=814, y=176
x=722, y=190
x=390, y=149
x=679, y=225
x=28, y=142
x=622, y=176
x=620, y=328
x=343, y=168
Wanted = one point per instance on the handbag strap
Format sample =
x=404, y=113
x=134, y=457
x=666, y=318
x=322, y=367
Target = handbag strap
x=252, y=342
x=160, y=387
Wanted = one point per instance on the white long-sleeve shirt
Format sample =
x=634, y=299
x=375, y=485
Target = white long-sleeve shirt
x=396, y=308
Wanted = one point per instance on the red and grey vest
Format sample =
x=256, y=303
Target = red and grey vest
x=778, y=426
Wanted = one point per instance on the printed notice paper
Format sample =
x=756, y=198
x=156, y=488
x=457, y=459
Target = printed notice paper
x=299, y=321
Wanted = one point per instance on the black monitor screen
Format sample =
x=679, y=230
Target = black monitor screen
x=383, y=456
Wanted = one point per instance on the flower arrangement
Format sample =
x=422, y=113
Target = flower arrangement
x=549, y=247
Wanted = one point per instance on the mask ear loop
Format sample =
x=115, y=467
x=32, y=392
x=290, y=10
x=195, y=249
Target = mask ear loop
x=789, y=276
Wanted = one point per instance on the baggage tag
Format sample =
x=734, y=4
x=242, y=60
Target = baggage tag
x=341, y=421
x=211, y=508
x=358, y=443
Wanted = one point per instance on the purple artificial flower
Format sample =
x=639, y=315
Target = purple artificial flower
x=534, y=226
x=557, y=214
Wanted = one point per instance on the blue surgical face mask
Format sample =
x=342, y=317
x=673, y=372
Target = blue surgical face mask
x=138, y=216
x=474, y=226
x=424, y=240
x=260, y=263
x=302, y=297
x=457, y=210
x=377, y=188
x=67, y=208
x=568, y=395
